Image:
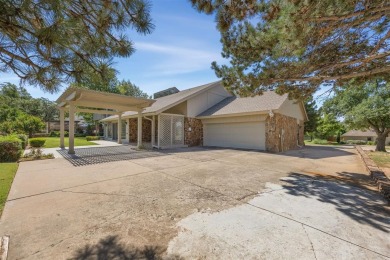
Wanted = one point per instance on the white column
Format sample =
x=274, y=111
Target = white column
x=153, y=131
x=71, y=128
x=128, y=130
x=62, y=128
x=119, y=128
x=139, y=126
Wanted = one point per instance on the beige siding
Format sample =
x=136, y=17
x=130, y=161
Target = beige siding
x=234, y=119
x=204, y=101
x=292, y=109
x=180, y=109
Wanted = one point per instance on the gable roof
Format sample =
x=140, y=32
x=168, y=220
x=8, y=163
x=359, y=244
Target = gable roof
x=368, y=133
x=234, y=105
x=166, y=102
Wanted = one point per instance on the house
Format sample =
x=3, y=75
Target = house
x=209, y=115
x=367, y=135
x=55, y=124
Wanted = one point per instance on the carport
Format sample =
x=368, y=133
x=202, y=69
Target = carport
x=76, y=100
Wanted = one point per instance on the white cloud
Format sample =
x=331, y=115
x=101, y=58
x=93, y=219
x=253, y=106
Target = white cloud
x=174, y=60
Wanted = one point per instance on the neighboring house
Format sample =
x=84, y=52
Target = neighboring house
x=367, y=135
x=55, y=124
x=209, y=115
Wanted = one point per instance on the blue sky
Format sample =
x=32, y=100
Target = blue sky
x=178, y=53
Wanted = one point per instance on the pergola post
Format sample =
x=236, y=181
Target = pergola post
x=139, y=126
x=62, y=128
x=119, y=128
x=71, y=128
x=153, y=131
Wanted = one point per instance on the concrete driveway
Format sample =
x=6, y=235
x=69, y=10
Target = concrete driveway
x=197, y=203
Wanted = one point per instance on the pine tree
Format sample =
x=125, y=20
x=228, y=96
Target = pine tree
x=294, y=46
x=49, y=42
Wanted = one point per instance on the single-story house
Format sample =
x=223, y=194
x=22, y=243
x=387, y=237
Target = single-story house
x=209, y=115
x=367, y=135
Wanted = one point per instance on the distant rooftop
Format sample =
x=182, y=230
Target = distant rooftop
x=166, y=92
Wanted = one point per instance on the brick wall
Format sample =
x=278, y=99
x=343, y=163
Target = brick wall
x=146, y=130
x=283, y=126
x=195, y=136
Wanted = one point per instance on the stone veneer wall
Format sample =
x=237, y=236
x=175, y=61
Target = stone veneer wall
x=195, y=136
x=146, y=130
x=273, y=131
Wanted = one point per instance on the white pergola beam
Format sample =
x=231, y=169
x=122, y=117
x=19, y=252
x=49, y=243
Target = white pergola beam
x=93, y=104
x=71, y=129
x=96, y=111
x=139, y=126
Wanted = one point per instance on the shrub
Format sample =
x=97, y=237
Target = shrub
x=54, y=134
x=320, y=141
x=79, y=135
x=36, y=154
x=41, y=135
x=57, y=134
x=37, y=142
x=358, y=142
x=10, y=148
x=370, y=142
x=92, y=138
x=24, y=140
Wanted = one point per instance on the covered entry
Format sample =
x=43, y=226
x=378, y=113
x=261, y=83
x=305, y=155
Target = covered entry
x=84, y=100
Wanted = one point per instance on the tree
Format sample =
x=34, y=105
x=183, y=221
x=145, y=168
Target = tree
x=125, y=87
x=294, y=46
x=364, y=106
x=329, y=126
x=313, y=117
x=50, y=42
x=28, y=124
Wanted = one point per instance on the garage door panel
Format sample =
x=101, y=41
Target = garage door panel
x=249, y=135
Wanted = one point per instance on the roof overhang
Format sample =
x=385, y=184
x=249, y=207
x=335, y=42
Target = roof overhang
x=92, y=101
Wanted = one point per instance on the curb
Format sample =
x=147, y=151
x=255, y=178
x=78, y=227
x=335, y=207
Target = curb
x=4, y=242
x=376, y=174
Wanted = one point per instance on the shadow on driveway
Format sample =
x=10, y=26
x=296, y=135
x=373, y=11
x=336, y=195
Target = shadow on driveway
x=96, y=155
x=361, y=205
x=111, y=248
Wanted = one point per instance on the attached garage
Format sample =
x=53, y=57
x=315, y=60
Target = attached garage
x=248, y=135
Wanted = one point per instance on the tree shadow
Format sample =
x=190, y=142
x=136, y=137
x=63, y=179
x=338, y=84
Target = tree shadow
x=320, y=152
x=362, y=205
x=111, y=247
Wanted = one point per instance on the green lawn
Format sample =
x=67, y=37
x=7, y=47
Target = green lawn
x=54, y=142
x=382, y=159
x=7, y=174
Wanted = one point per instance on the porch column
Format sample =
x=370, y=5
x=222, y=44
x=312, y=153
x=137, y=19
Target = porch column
x=119, y=128
x=153, y=131
x=139, y=126
x=71, y=128
x=62, y=128
x=127, y=130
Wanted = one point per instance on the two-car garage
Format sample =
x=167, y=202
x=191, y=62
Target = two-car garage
x=240, y=132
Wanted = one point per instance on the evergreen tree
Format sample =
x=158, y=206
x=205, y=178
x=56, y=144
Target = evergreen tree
x=49, y=42
x=294, y=46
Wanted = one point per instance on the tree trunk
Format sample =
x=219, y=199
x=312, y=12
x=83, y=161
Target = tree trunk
x=381, y=142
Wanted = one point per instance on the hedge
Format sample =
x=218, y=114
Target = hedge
x=10, y=148
x=24, y=140
x=320, y=141
x=92, y=138
x=358, y=142
x=37, y=142
x=57, y=134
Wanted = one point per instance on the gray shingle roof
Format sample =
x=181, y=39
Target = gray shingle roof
x=234, y=105
x=166, y=102
x=368, y=133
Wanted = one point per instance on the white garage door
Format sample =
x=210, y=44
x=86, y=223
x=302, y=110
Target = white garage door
x=249, y=135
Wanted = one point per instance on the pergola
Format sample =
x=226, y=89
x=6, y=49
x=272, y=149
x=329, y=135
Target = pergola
x=90, y=101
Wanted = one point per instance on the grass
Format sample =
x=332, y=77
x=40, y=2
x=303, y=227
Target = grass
x=54, y=142
x=308, y=142
x=382, y=159
x=7, y=174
